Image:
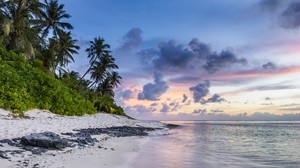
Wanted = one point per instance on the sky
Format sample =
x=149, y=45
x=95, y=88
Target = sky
x=198, y=60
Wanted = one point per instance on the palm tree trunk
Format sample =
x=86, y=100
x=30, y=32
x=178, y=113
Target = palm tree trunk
x=84, y=75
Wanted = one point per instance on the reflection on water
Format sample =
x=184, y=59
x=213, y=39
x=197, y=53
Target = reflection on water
x=225, y=144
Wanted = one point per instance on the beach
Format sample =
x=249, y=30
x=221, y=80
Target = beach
x=106, y=151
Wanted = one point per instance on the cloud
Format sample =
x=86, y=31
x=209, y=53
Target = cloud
x=267, y=104
x=270, y=87
x=152, y=91
x=154, y=104
x=200, y=90
x=195, y=56
x=200, y=50
x=217, y=111
x=269, y=66
x=270, y=5
x=289, y=105
x=132, y=39
x=257, y=116
x=175, y=106
x=171, y=55
x=139, y=109
x=184, y=79
x=126, y=94
x=291, y=109
x=268, y=98
x=199, y=111
x=184, y=98
x=215, y=99
x=290, y=16
x=165, y=108
x=225, y=59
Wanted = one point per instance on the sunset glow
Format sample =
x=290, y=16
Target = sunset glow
x=206, y=60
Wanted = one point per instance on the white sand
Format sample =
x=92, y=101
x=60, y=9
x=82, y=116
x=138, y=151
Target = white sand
x=119, y=150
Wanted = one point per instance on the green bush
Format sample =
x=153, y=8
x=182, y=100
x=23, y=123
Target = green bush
x=23, y=87
x=107, y=104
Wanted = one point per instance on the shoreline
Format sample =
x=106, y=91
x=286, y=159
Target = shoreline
x=108, y=150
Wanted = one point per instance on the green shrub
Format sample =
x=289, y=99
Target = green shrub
x=23, y=87
x=107, y=104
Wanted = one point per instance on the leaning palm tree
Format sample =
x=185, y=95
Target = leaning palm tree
x=97, y=73
x=97, y=50
x=65, y=47
x=51, y=18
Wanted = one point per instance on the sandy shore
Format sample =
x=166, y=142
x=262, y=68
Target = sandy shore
x=108, y=152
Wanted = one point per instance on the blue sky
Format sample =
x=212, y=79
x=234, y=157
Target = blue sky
x=207, y=59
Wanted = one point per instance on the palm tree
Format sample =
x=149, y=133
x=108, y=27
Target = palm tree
x=50, y=18
x=114, y=79
x=97, y=50
x=16, y=31
x=64, y=47
x=101, y=69
x=105, y=88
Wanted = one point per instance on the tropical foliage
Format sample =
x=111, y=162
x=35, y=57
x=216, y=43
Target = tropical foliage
x=40, y=44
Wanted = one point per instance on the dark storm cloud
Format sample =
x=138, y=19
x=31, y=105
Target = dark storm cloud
x=152, y=91
x=184, y=98
x=172, y=55
x=200, y=90
x=147, y=55
x=200, y=50
x=269, y=66
x=215, y=99
x=132, y=39
x=290, y=16
x=195, y=56
x=126, y=94
x=217, y=61
x=165, y=108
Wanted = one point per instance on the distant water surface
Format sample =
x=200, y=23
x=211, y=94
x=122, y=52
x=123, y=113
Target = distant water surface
x=220, y=144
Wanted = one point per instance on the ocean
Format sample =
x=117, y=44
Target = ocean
x=223, y=144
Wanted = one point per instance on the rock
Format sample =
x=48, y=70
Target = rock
x=3, y=155
x=172, y=126
x=47, y=140
x=123, y=131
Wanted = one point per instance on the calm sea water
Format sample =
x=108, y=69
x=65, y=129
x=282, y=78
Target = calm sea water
x=217, y=144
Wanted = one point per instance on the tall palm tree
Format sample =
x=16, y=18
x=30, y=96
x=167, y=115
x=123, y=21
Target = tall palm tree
x=97, y=50
x=101, y=69
x=16, y=30
x=65, y=47
x=51, y=18
x=59, y=51
x=114, y=79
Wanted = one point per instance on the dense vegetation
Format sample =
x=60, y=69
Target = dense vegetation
x=36, y=46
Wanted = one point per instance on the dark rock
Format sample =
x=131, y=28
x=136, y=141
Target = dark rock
x=82, y=138
x=47, y=140
x=3, y=155
x=124, y=131
x=34, y=150
x=172, y=126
